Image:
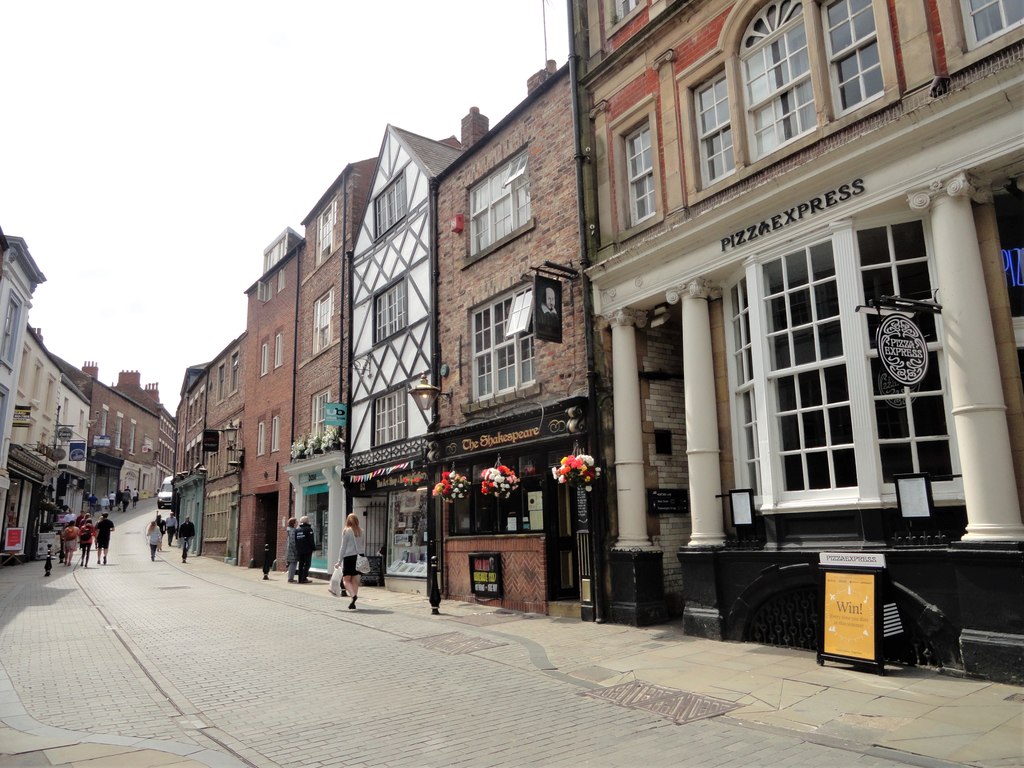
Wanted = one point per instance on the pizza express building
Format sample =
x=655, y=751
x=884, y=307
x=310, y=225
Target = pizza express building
x=774, y=182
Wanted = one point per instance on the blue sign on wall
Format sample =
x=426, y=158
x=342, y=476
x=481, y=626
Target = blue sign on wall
x=336, y=414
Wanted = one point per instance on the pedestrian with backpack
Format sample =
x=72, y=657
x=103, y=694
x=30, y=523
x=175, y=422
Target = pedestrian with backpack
x=70, y=540
x=85, y=534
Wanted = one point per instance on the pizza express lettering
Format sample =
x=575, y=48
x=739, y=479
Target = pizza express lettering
x=792, y=215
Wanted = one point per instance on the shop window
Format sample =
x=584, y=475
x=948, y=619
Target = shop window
x=407, y=522
x=816, y=394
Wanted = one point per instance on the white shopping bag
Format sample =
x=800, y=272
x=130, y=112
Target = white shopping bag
x=335, y=585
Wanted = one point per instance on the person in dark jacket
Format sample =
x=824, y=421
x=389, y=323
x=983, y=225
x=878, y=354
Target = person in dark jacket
x=305, y=544
x=186, y=532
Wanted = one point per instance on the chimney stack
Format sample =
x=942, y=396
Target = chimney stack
x=541, y=77
x=153, y=393
x=91, y=369
x=474, y=127
x=129, y=379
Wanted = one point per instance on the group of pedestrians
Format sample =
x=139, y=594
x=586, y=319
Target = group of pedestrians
x=80, y=533
x=156, y=529
x=301, y=544
x=114, y=500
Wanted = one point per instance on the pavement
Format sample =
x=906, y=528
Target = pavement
x=909, y=716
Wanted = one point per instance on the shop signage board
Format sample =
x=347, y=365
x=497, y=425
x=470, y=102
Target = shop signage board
x=902, y=350
x=850, y=593
x=336, y=414
x=485, y=574
x=14, y=541
x=76, y=450
x=668, y=501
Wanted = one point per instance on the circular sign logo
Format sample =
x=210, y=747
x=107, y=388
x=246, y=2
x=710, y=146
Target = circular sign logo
x=902, y=350
x=65, y=433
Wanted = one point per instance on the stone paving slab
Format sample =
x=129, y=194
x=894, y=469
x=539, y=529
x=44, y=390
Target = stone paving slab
x=288, y=676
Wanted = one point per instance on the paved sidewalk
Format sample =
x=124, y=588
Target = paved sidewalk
x=911, y=716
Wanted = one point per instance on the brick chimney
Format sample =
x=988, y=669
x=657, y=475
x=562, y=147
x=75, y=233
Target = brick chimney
x=91, y=369
x=474, y=127
x=129, y=379
x=153, y=393
x=535, y=81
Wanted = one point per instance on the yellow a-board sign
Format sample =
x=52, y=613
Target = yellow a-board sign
x=849, y=620
x=850, y=592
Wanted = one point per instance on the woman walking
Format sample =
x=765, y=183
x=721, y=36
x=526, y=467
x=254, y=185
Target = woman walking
x=154, y=537
x=291, y=555
x=351, y=547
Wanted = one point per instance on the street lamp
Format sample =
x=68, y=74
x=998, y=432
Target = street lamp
x=425, y=394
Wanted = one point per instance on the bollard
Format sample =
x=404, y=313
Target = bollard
x=266, y=562
x=49, y=558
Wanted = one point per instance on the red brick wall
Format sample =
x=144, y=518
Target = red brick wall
x=267, y=396
x=524, y=574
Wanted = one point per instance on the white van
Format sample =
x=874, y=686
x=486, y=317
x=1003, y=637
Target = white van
x=165, y=496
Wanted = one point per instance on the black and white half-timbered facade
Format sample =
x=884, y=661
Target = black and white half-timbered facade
x=392, y=338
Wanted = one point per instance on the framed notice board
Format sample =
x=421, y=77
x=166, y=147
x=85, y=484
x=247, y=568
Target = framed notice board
x=850, y=596
x=485, y=574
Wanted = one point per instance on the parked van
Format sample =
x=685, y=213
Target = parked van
x=165, y=496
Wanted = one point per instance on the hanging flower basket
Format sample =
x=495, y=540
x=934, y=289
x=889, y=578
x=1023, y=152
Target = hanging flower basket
x=498, y=481
x=576, y=471
x=452, y=486
x=299, y=449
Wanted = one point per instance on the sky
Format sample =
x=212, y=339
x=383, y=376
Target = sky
x=151, y=151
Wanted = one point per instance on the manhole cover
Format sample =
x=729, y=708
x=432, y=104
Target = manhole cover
x=677, y=706
x=454, y=643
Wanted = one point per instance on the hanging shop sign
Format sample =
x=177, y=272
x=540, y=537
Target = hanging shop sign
x=547, y=310
x=336, y=414
x=553, y=423
x=780, y=220
x=902, y=350
x=76, y=450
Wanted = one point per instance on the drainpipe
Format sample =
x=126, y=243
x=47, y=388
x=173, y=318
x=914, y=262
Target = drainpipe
x=594, y=431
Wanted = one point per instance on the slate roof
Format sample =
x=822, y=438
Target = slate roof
x=435, y=155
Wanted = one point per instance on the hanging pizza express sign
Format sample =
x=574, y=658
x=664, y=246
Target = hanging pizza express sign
x=902, y=350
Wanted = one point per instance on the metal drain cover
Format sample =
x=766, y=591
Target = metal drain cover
x=675, y=705
x=454, y=643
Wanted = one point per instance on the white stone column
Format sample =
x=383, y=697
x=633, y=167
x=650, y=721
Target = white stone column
x=630, y=490
x=979, y=411
x=702, y=448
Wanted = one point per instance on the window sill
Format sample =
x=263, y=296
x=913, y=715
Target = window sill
x=524, y=393
x=498, y=244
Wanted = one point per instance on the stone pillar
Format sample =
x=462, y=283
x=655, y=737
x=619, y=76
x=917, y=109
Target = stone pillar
x=630, y=490
x=979, y=411
x=702, y=449
x=634, y=563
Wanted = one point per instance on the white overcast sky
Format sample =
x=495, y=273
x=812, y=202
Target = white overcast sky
x=150, y=150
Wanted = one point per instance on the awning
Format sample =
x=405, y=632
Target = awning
x=313, y=490
x=105, y=460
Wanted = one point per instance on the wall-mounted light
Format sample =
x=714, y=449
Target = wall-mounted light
x=425, y=393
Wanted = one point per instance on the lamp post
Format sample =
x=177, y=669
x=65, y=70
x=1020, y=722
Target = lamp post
x=425, y=394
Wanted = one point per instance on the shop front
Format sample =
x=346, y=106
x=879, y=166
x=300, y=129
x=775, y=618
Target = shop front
x=530, y=548
x=320, y=496
x=27, y=510
x=392, y=503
